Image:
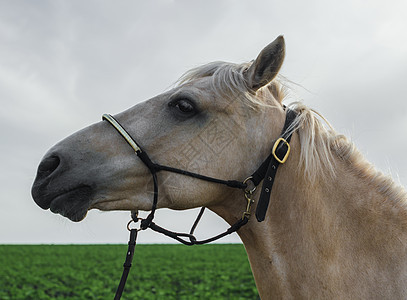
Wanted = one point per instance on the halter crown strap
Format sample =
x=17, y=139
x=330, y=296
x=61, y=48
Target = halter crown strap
x=268, y=169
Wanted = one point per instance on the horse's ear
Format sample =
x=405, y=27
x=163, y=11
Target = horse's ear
x=267, y=64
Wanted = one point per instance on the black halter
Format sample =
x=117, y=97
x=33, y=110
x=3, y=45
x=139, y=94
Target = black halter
x=267, y=171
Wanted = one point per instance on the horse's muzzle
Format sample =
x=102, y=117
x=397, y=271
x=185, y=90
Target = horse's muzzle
x=48, y=192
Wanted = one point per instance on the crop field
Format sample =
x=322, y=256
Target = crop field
x=93, y=272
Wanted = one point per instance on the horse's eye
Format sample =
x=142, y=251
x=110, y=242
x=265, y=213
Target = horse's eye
x=183, y=106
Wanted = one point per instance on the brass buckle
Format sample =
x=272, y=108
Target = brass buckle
x=284, y=159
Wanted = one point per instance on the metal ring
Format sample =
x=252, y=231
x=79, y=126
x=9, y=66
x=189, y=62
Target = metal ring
x=132, y=221
x=250, y=191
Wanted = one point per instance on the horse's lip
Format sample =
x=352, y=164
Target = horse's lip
x=72, y=203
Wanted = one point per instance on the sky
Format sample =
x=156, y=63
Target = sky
x=65, y=63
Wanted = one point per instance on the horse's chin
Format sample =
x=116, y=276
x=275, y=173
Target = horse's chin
x=73, y=211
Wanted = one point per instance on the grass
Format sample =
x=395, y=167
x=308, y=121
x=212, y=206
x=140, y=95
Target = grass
x=93, y=272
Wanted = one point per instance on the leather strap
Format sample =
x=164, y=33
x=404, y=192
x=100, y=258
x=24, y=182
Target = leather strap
x=268, y=168
x=127, y=264
x=192, y=240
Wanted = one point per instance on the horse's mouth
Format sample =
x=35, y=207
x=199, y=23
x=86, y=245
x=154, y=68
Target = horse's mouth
x=72, y=204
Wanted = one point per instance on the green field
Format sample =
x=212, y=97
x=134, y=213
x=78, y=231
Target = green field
x=93, y=272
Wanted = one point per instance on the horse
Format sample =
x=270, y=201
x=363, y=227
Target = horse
x=335, y=227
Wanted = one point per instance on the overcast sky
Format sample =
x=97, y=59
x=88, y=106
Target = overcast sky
x=65, y=63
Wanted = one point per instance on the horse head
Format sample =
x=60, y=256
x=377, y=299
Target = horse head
x=214, y=122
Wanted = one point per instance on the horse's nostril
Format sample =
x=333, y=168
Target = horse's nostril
x=49, y=164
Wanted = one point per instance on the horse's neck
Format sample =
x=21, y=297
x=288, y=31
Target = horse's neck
x=339, y=237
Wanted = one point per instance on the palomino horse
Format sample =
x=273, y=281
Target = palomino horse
x=335, y=227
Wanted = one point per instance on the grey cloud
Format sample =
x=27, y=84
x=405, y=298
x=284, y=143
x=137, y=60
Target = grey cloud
x=64, y=63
